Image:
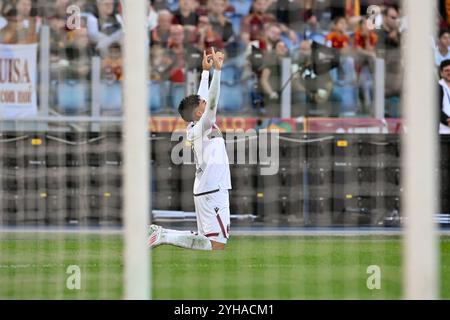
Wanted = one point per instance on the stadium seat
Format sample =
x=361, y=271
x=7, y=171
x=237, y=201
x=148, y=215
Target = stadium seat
x=345, y=92
x=177, y=93
x=231, y=98
x=172, y=4
x=318, y=37
x=111, y=96
x=156, y=96
x=236, y=20
x=241, y=7
x=231, y=91
x=72, y=96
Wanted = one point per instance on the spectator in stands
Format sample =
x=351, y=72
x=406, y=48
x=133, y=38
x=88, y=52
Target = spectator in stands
x=207, y=37
x=289, y=14
x=389, y=48
x=364, y=43
x=5, y=7
x=272, y=35
x=161, y=63
x=112, y=63
x=271, y=79
x=60, y=6
x=181, y=53
x=442, y=50
x=160, y=35
x=186, y=15
x=338, y=38
x=252, y=28
x=365, y=40
x=186, y=57
x=345, y=86
x=58, y=39
x=311, y=29
x=221, y=25
x=444, y=10
x=344, y=77
x=444, y=97
x=79, y=53
x=311, y=91
x=23, y=24
x=3, y=21
x=104, y=26
x=389, y=36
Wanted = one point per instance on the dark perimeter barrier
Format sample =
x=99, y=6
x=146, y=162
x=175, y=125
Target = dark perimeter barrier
x=60, y=178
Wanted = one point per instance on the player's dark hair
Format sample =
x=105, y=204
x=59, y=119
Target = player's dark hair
x=444, y=64
x=187, y=106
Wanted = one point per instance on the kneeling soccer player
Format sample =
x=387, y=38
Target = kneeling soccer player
x=212, y=178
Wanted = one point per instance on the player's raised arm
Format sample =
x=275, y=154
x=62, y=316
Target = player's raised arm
x=204, y=82
x=209, y=116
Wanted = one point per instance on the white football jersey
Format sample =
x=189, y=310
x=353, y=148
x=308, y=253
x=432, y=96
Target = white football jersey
x=211, y=159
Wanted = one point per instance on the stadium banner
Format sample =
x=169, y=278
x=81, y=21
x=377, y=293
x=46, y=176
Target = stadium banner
x=171, y=124
x=18, y=74
x=353, y=125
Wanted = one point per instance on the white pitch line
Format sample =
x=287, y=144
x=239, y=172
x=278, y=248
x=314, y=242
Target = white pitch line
x=264, y=232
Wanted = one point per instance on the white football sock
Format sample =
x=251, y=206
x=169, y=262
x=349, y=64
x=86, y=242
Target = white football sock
x=178, y=231
x=188, y=241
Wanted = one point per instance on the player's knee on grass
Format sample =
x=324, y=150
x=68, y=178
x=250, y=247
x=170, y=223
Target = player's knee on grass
x=217, y=245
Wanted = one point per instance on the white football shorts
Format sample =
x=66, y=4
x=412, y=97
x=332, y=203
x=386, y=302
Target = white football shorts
x=213, y=215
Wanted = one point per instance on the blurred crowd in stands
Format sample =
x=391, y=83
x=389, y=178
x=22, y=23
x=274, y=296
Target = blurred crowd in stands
x=255, y=36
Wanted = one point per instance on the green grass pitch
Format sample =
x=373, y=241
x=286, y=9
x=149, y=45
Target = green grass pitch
x=35, y=266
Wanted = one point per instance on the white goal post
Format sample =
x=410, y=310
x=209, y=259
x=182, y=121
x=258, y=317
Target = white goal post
x=136, y=150
x=420, y=154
